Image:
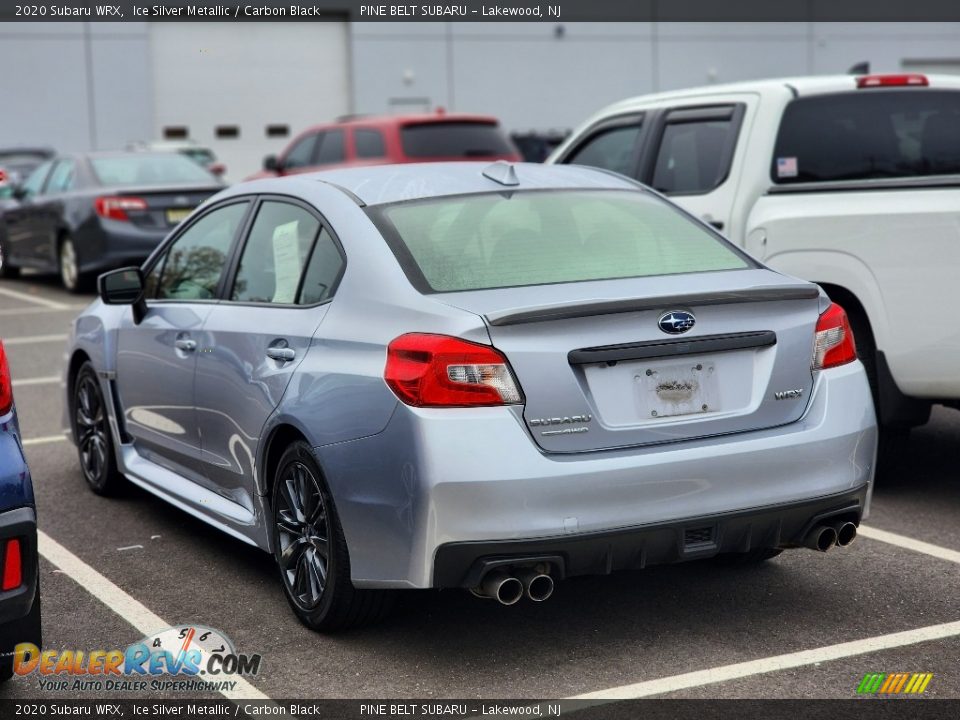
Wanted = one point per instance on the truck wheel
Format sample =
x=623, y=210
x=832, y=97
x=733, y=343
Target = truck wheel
x=893, y=440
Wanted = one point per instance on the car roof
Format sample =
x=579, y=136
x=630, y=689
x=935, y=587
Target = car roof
x=392, y=121
x=41, y=151
x=800, y=86
x=380, y=184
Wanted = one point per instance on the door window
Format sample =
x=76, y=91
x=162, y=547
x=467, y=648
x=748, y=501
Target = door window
x=275, y=254
x=696, y=150
x=302, y=153
x=61, y=179
x=369, y=143
x=330, y=148
x=190, y=268
x=610, y=149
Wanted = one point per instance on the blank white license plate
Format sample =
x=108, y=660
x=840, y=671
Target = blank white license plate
x=676, y=389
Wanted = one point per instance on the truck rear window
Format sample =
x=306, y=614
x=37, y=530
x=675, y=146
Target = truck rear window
x=497, y=240
x=868, y=134
x=455, y=139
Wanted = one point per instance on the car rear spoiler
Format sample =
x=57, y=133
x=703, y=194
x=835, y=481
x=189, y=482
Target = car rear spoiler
x=564, y=311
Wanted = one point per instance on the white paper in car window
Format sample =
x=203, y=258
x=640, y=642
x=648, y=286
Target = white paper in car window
x=286, y=261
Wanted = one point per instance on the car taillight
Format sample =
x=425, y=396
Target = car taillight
x=6, y=386
x=115, y=208
x=903, y=80
x=12, y=566
x=442, y=371
x=833, y=344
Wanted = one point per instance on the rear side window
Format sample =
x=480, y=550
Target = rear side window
x=455, y=139
x=496, y=240
x=610, y=149
x=868, y=134
x=696, y=150
x=369, y=143
x=323, y=271
x=275, y=254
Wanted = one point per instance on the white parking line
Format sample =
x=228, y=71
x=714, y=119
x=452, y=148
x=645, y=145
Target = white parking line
x=47, y=380
x=44, y=440
x=909, y=543
x=725, y=673
x=27, y=297
x=30, y=339
x=127, y=607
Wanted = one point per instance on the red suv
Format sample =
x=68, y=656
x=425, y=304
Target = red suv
x=392, y=139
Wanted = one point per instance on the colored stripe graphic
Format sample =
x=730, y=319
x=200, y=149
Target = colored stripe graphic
x=894, y=683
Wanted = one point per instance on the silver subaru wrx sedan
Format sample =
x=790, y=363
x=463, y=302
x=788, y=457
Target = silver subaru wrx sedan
x=490, y=377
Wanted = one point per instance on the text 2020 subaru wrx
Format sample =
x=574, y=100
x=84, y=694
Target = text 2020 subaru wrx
x=459, y=375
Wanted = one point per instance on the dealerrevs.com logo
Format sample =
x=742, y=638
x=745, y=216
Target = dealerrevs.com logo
x=189, y=658
x=894, y=683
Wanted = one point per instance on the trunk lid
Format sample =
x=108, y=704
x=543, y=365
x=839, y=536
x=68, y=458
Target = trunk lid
x=598, y=372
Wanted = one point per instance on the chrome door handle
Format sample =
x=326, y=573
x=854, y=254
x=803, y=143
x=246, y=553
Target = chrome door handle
x=283, y=354
x=185, y=345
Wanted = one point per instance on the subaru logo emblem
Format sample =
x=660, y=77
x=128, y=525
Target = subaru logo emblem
x=676, y=322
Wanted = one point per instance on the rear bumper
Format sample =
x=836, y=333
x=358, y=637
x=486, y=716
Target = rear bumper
x=463, y=564
x=422, y=500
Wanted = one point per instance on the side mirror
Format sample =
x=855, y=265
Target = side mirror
x=123, y=287
x=272, y=164
x=217, y=169
x=20, y=192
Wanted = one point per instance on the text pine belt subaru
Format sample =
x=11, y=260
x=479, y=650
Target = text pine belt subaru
x=465, y=375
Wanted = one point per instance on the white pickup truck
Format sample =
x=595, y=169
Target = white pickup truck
x=852, y=182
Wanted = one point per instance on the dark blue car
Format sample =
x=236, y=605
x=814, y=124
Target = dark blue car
x=19, y=587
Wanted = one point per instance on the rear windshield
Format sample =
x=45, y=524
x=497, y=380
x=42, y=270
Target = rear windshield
x=200, y=155
x=497, y=240
x=869, y=134
x=142, y=169
x=454, y=140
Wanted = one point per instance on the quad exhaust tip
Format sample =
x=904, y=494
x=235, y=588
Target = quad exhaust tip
x=821, y=538
x=505, y=589
x=537, y=586
x=824, y=537
x=846, y=533
x=508, y=587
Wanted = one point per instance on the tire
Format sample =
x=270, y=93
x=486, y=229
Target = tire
x=311, y=552
x=91, y=429
x=753, y=557
x=6, y=269
x=892, y=442
x=68, y=262
x=23, y=630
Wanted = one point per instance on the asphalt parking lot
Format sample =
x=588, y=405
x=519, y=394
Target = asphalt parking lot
x=805, y=625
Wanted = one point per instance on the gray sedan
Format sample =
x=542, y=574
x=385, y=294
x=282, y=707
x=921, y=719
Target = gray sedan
x=461, y=375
